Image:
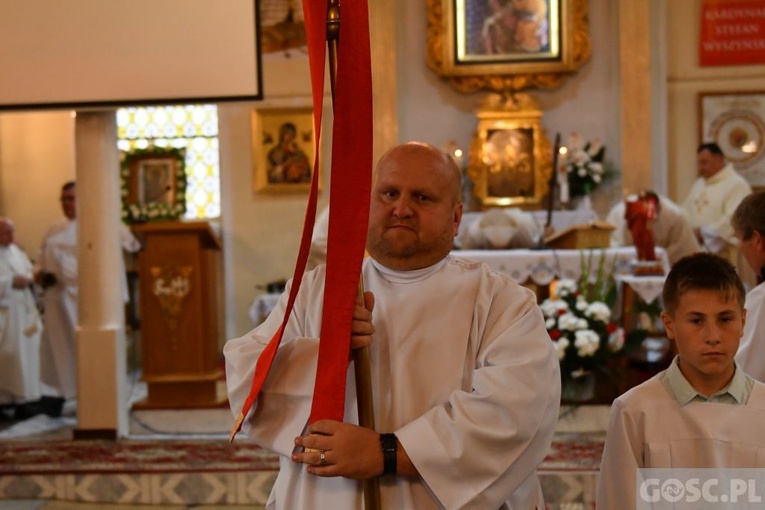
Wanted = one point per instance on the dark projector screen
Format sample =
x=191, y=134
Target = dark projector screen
x=91, y=53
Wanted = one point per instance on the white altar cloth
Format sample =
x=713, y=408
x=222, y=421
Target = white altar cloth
x=647, y=287
x=561, y=220
x=543, y=266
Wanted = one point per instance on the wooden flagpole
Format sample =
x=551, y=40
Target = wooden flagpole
x=361, y=363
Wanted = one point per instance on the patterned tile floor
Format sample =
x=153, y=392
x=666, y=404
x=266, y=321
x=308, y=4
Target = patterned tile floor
x=64, y=505
x=576, y=488
x=143, y=424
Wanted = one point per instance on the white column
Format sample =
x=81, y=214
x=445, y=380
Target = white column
x=101, y=367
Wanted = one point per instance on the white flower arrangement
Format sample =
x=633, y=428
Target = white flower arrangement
x=583, y=333
x=584, y=165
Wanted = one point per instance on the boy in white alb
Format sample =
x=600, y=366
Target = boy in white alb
x=704, y=411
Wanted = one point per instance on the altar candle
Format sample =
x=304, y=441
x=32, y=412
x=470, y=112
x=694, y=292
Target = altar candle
x=563, y=184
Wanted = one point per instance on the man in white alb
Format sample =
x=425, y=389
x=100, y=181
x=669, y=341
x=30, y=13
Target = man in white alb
x=20, y=328
x=57, y=274
x=711, y=202
x=465, y=380
x=670, y=229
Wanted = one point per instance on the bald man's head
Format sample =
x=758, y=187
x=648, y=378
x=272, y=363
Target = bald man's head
x=415, y=208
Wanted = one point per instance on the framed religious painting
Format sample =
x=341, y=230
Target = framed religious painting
x=736, y=122
x=283, y=148
x=507, y=45
x=153, y=184
x=510, y=160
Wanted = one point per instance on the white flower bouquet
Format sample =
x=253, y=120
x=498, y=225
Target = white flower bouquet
x=584, y=165
x=582, y=331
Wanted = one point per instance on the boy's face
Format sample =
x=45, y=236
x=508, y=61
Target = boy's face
x=753, y=250
x=707, y=329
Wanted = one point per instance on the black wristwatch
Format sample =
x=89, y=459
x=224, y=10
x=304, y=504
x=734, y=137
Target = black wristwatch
x=389, y=444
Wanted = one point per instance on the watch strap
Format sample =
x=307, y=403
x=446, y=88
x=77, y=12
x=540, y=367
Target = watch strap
x=389, y=445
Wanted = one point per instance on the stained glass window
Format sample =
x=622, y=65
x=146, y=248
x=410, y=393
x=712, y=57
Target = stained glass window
x=193, y=127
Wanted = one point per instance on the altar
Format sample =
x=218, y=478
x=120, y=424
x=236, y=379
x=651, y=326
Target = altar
x=541, y=267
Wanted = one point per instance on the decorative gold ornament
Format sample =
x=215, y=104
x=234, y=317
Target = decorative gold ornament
x=171, y=286
x=510, y=160
x=539, y=45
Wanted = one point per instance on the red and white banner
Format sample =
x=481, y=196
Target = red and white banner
x=732, y=33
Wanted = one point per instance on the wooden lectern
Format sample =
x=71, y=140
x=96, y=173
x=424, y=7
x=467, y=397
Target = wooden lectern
x=180, y=303
x=582, y=236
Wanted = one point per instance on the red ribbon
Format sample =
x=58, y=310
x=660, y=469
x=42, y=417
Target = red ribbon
x=350, y=189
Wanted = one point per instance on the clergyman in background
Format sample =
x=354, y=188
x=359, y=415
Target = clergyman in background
x=710, y=204
x=20, y=329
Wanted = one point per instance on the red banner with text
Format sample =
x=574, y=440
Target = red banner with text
x=732, y=33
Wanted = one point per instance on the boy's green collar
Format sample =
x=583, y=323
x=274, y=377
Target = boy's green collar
x=737, y=391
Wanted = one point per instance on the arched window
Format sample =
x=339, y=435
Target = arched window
x=193, y=127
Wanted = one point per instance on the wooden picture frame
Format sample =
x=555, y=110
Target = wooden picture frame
x=510, y=159
x=283, y=147
x=735, y=121
x=504, y=45
x=153, y=184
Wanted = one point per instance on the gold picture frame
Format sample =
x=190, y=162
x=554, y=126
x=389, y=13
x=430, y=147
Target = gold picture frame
x=510, y=160
x=735, y=121
x=284, y=147
x=506, y=45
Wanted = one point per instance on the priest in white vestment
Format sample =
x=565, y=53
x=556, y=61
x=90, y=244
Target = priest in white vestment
x=20, y=327
x=749, y=225
x=704, y=411
x=671, y=230
x=57, y=272
x=709, y=205
x=465, y=380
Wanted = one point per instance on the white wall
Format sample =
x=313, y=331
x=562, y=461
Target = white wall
x=262, y=231
x=36, y=158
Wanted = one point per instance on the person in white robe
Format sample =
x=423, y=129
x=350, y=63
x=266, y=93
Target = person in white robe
x=749, y=226
x=317, y=253
x=20, y=328
x=671, y=230
x=57, y=273
x=463, y=371
x=704, y=411
x=502, y=229
x=710, y=203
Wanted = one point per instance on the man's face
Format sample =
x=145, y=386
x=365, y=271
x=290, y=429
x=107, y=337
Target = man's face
x=753, y=250
x=708, y=164
x=6, y=234
x=69, y=203
x=707, y=329
x=414, y=212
